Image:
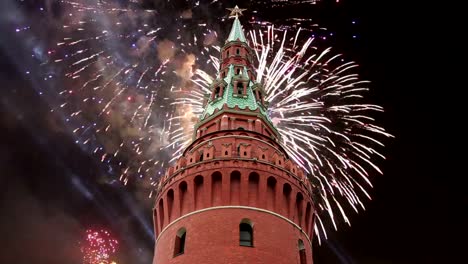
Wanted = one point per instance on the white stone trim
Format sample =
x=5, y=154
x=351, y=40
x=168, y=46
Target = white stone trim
x=235, y=207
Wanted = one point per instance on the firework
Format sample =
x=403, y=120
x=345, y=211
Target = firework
x=316, y=100
x=98, y=247
x=135, y=80
x=120, y=69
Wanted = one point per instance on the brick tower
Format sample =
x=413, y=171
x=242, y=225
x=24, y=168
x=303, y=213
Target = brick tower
x=234, y=196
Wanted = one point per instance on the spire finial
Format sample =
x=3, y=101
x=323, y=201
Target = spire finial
x=235, y=12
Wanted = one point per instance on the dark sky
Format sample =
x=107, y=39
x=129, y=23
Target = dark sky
x=50, y=189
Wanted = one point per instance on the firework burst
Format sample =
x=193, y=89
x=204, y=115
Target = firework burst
x=98, y=247
x=120, y=66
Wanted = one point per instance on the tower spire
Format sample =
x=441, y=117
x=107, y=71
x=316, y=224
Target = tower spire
x=237, y=34
x=235, y=90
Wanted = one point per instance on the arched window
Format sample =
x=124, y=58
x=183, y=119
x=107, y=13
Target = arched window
x=179, y=246
x=227, y=53
x=238, y=71
x=240, y=88
x=217, y=92
x=170, y=202
x=237, y=51
x=246, y=233
x=302, y=253
x=201, y=156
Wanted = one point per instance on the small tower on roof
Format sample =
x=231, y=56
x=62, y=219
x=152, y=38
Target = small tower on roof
x=235, y=90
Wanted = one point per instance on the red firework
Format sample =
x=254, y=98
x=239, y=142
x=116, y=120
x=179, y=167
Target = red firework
x=98, y=247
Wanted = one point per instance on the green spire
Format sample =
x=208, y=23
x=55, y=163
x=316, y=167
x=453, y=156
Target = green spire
x=237, y=92
x=236, y=32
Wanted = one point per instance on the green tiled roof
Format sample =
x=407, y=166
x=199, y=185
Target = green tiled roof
x=245, y=102
x=236, y=32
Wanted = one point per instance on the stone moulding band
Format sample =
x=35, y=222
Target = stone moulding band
x=235, y=207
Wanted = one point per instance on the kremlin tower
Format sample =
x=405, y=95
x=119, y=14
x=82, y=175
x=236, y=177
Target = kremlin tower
x=234, y=196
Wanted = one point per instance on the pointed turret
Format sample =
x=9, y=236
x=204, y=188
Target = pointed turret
x=235, y=90
x=237, y=34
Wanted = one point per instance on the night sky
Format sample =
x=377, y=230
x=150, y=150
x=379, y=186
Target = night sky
x=51, y=190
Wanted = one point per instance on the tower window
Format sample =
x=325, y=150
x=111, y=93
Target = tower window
x=237, y=51
x=207, y=155
x=240, y=88
x=245, y=153
x=263, y=156
x=179, y=246
x=302, y=253
x=226, y=153
x=238, y=71
x=201, y=156
x=217, y=92
x=227, y=53
x=245, y=233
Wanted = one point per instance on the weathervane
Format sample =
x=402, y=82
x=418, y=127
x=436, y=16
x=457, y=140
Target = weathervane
x=235, y=12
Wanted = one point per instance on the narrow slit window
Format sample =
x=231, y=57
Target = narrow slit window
x=302, y=252
x=217, y=92
x=240, y=88
x=179, y=246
